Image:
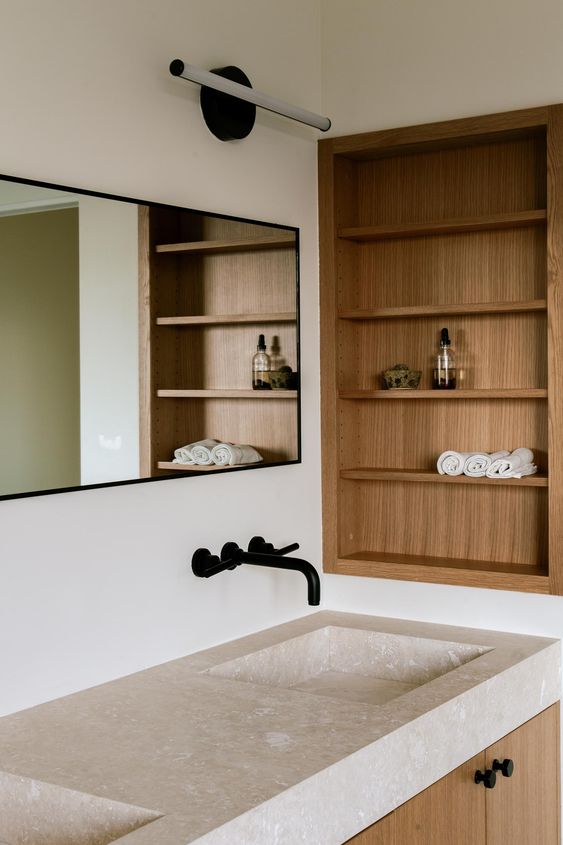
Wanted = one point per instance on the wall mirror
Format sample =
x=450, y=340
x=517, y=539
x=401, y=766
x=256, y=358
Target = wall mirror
x=127, y=332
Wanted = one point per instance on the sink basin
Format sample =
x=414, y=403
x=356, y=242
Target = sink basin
x=36, y=813
x=350, y=664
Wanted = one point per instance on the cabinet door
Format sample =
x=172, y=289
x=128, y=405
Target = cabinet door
x=382, y=832
x=450, y=812
x=524, y=809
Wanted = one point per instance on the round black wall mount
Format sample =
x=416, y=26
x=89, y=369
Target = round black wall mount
x=227, y=117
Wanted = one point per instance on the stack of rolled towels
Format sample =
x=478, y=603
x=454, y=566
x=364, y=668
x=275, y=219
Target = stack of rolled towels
x=501, y=464
x=209, y=451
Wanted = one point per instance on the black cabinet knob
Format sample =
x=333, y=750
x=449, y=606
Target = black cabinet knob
x=488, y=778
x=506, y=767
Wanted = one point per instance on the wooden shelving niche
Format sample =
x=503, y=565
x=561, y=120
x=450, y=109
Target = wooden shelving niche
x=209, y=286
x=456, y=224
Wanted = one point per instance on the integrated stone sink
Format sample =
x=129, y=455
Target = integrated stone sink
x=350, y=663
x=36, y=813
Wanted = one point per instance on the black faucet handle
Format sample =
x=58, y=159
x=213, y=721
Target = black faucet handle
x=204, y=564
x=260, y=546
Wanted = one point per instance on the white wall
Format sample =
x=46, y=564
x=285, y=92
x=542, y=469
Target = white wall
x=393, y=63
x=109, y=340
x=97, y=584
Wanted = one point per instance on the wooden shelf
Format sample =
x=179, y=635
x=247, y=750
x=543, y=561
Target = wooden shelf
x=277, y=241
x=434, y=477
x=486, y=222
x=170, y=465
x=469, y=573
x=226, y=319
x=450, y=395
x=393, y=218
x=461, y=309
x=227, y=394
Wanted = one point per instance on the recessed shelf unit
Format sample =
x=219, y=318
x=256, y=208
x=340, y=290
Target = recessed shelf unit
x=209, y=286
x=459, y=224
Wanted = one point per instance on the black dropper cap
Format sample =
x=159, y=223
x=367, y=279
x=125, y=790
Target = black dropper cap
x=445, y=338
x=261, y=344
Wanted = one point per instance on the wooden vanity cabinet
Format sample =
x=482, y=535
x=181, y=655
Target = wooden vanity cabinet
x=209, y=285
x=460, y=225
x=519, y=810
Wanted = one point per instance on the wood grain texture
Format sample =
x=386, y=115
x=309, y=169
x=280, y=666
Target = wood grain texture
x=145, y=322
x=271, y=426
x=281, y=239
x=386, y=301
x=333, y=175
x=434, y=477
x=555, y=341
x=448, y=395
x=504, y=265
x=225, y=319
x=412, y=435
x=453, y=184
x=461, y=131
x=383, y=832
x=464, y=522
x=475, y=308
x=207, y=393
x=431, y=570
x=493, y=351
x=524, y=809
x=488, y=222
x=450, y=811
x=205, y=306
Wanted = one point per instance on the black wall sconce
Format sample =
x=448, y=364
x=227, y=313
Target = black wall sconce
x=228, y=101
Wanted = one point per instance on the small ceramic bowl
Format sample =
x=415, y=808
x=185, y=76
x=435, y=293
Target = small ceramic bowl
x=284, y=379
x=401, y=377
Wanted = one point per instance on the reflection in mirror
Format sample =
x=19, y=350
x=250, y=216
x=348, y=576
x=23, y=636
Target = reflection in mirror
x=127, y=333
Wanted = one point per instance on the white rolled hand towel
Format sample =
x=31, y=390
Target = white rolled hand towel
x=476, y=465
x=452, y=463
x=507, y=467
x=528, y=469
x=195, y=453
x=229, y=454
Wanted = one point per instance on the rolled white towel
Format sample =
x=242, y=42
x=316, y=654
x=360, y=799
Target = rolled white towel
x=528, y=469
x=476, y=465
x=452, y=463
x=506, y=467
x=195, y=453
x=229, y=454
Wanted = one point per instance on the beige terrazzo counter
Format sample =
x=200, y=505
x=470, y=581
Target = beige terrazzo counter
x=224, y=747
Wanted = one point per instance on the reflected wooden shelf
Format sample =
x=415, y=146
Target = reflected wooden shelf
x=469, y=573
x=461, y=309
x=450, y=395
x=227, y=394
x=225, y=319
x=198, y=468
x=434, y=477
x=277, y=241
x=485, y=222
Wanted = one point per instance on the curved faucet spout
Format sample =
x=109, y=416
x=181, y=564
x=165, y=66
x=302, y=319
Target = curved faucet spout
x=279, y=562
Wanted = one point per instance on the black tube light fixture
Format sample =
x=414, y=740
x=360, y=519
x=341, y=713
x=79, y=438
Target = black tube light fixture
x=228, y=101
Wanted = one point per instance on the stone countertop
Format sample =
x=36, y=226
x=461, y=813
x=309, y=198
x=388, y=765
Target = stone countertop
x=197, y=757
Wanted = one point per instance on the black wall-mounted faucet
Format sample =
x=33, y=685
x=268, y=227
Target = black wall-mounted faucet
x=260, y=553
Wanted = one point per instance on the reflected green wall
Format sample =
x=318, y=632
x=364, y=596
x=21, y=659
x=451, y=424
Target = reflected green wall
x=39, y=351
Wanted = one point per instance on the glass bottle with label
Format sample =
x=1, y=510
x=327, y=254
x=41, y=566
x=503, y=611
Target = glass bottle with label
x=444, y=375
